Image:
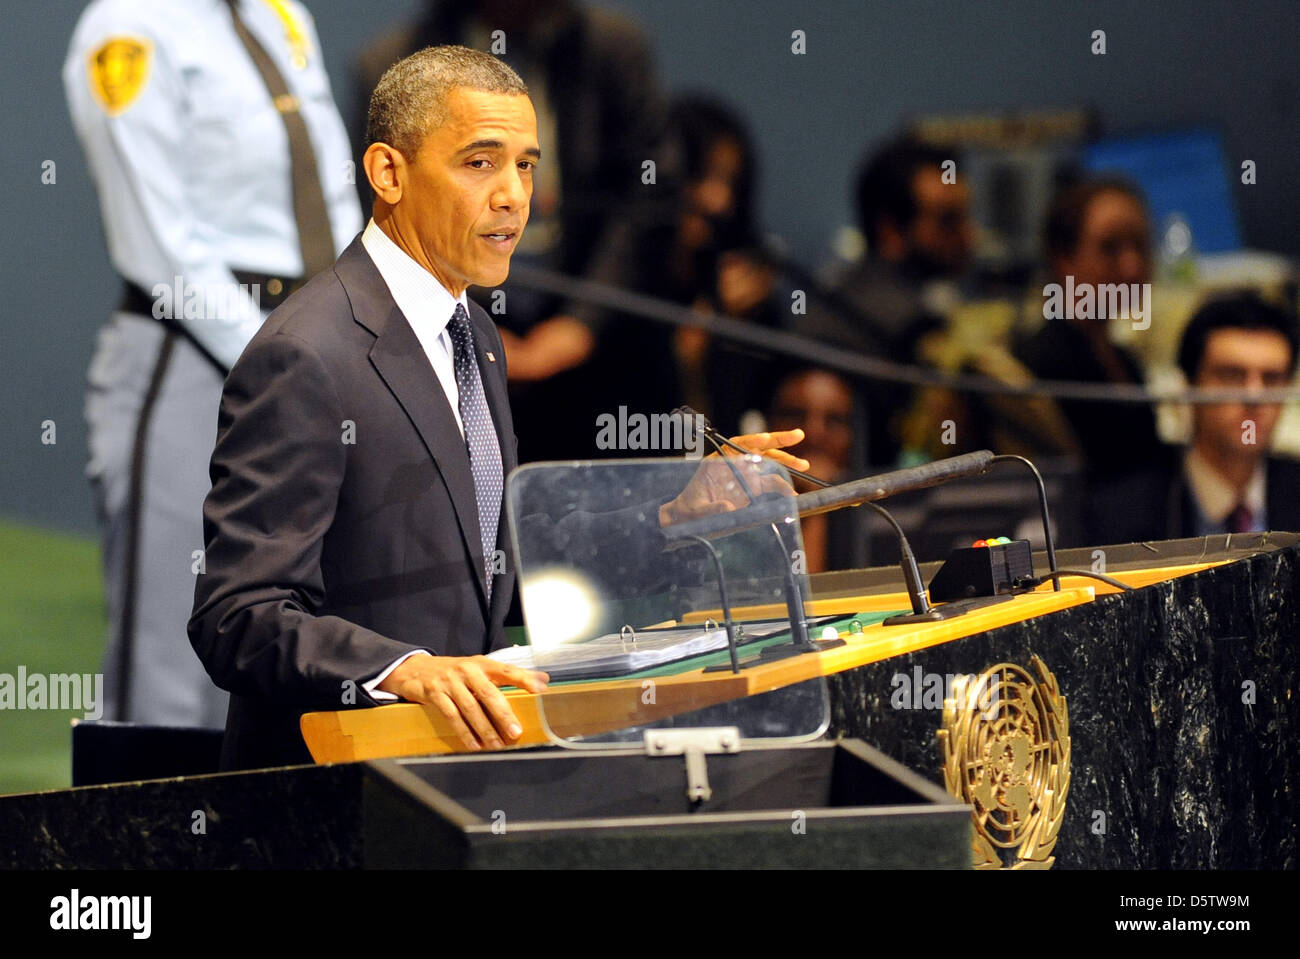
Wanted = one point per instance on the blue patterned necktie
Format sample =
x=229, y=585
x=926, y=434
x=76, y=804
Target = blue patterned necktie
x=480, y=438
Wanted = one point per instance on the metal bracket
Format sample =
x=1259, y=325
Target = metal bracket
x=694, y=744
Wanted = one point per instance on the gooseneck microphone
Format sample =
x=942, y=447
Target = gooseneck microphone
x=862, y=492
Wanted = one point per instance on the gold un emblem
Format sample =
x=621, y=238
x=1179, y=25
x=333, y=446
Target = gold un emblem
x=1006, y=751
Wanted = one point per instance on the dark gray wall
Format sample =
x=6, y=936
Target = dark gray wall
x=1227, y=65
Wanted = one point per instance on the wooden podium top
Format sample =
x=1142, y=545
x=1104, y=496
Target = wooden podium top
x=408, y=729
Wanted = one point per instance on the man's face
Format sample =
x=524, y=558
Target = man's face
x=939, y=238
x=467, y=190
x=821, y=403
x=1241, y=359
x=1114, y=243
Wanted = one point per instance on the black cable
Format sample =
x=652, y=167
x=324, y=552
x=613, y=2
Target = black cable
x=1109, y=580
x=1042, y=505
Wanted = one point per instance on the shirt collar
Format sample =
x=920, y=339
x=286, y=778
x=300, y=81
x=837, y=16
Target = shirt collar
x=1214, y=496
x=417, y=292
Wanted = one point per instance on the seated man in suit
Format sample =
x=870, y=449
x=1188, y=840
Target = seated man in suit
x=1225, y=481
x=355, y=546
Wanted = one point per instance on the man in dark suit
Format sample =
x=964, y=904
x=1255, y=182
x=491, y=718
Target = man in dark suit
x=1225, y=481
x=363, y=437
x=355, y=540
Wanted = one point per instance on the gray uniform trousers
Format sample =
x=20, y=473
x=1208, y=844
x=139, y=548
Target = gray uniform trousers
x=149, y=497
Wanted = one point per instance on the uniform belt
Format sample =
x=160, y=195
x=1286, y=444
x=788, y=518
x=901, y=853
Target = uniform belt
x=272, y=291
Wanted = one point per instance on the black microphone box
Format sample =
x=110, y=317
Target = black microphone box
x=983, y=571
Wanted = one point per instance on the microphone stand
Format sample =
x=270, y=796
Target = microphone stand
x=800, y=641
x=922, y=610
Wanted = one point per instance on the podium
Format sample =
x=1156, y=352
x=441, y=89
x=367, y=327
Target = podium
x=660, y=770
x=1183, y=704
x=836, y=805
x=1180, y=749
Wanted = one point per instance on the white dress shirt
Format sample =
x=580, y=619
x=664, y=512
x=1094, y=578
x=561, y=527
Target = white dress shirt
x=426, y=303
x=428, y=306
x=1216, y=499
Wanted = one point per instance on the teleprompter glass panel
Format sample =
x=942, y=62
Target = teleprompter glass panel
x=628, y=570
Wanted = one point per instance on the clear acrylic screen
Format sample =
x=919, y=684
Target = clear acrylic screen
x=623, y=600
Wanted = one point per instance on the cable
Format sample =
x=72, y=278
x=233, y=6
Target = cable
x=1042, y=505
x=1108, y=580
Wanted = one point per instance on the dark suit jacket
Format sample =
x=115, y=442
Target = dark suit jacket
x=1156, y=503
x=341, y=529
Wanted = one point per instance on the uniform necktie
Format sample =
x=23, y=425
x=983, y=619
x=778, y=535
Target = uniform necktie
x=480, y=437
x=315, y=239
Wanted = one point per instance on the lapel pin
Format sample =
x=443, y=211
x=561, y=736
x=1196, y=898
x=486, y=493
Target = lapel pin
x=491, y=358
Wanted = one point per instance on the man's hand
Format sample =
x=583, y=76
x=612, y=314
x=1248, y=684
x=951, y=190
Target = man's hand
x=771, y=445
x=464, y=689
x=713, y=488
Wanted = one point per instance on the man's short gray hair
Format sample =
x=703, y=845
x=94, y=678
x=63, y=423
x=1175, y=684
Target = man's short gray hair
x=411, y=97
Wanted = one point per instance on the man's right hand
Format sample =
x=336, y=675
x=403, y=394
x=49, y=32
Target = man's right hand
x=464, y=689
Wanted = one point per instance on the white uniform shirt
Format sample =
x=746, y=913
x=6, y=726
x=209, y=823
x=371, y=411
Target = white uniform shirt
x=189, y=154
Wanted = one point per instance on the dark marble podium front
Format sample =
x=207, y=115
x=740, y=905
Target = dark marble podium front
x=1183, y=704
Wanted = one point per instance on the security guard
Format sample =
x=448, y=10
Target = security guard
x=225, y=179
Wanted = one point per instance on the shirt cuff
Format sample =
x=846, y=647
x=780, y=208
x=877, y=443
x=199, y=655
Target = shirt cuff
x=381, y=696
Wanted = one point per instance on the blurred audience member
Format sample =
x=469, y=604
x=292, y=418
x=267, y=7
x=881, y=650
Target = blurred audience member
x=717, y=261
x=599, y=117
x=919, y=234
x=1224, y=481
x=700, y=248
x=821, y=403
x=1097, y=233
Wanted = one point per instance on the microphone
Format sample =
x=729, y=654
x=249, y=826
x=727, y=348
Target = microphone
x=862, y=492
x=884, y=485
x=832, y=497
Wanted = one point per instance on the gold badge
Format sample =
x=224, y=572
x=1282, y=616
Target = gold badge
x=1006, y=751
x=119, y=70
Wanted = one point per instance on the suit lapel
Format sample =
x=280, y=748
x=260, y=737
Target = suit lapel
x=400, y=360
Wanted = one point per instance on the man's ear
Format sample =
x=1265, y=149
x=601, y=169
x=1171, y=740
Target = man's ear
x=385, y=169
